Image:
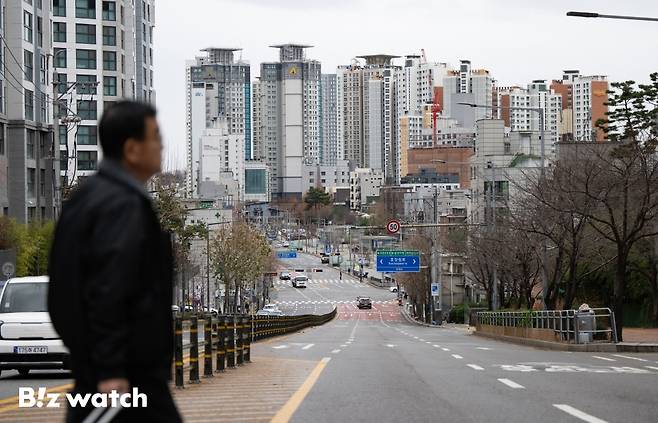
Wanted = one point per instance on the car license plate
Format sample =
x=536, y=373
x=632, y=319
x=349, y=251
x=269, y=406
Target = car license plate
x=30, y=350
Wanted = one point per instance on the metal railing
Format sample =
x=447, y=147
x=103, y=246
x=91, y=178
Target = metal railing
x=227, y=339
x=571, y=326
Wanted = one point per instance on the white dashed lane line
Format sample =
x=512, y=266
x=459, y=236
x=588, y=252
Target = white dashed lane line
x=445, y=349
x=651, y=367
x=335, y=351
x=604, y=358
x=457, y=356
x=578, y=414
x=307, y=346
x=436, y=346
x=629, y=357
x=475, y=367
x=511, y=384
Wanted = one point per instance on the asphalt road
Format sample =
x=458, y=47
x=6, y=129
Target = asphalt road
x=383, y=369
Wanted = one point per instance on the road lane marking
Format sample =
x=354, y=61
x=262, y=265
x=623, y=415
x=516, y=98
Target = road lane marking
x=308, y=346
x=511, y=384
x=278, y=347
x=604, y=358
x=457, y=356
x=445, y=349
x=390, y=345
x=629, y=357
x=651, y=367
x=336, y=351
x=475, y=367
x=436, y=346
x=285, y=413
x=427, y=342
x=578, y=414
x=344, y=345
x=483, y=348
x=421, y=340
x=9, y=404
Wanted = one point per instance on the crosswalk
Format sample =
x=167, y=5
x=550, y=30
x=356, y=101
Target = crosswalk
x=310, y=302
x=339, y=282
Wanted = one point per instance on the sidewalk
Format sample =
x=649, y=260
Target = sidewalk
x=253, y=392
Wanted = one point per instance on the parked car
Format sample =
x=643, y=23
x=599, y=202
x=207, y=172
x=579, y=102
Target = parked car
x=175, y=308
x=393, y=289
x=325, y=260
x=284, y=276
x=363, y=302
x=28, y=339
x=299, y=281
x=213, y=311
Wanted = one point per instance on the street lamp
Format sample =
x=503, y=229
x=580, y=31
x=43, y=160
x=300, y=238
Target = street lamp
x=539, y=111
x=598, y=15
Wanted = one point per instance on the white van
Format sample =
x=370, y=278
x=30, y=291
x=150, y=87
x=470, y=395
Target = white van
x=299, y=281
x=27, y=337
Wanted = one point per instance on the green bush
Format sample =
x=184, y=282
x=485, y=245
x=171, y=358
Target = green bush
x=457, y=314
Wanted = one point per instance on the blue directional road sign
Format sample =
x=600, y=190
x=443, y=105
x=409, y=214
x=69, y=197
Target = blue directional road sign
x=286, y=254
x=398, y=261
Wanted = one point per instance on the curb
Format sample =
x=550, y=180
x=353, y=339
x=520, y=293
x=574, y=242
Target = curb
x=414, y=321
x=550, y=345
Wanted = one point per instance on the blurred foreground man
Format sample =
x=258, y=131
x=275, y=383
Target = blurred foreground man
x=111, y=274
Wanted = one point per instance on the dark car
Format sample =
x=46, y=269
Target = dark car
x=364, y=302
x=325, y=260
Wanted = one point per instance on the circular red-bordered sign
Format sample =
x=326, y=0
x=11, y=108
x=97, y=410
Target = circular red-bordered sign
x=393, y=227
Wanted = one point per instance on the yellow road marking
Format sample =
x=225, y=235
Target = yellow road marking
x=285, y=413
x=9, y=404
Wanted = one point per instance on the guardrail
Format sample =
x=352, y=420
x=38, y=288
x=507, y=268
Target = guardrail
x=568, y=326
x=230, y=338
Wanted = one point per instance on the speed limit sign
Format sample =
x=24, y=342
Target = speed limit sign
x=393, y=227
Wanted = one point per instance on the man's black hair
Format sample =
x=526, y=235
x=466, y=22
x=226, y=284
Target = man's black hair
x=121, y=121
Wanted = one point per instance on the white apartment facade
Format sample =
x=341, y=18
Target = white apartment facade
x=365, y=185
x=218, y=88
x=102, y=53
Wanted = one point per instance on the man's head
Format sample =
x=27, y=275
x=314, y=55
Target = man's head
x=129, y=133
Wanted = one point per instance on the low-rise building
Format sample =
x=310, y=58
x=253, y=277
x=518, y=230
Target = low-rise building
x=365, y=186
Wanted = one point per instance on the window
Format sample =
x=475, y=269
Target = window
x=29, y=105
x=42, y=184
x=59, y=32
x=87, y=160
x=85, y=9
x=39, y=32
x=109, y=85
x=109, y=60
x=29, y=146
x=59, y=7
x=109, y=11
x=87, y=109
x=85, y=34
x=31, y=182
x=85, y=59
x=87, y=135
x=2, y=139
x=86, y=84
x=109, y=36
x=62, y=83
x=27, y=26
x=63, y=135
x=123, y=36
x=64, y=162
x=28, y=58
x=43, y=104
x=60, y=58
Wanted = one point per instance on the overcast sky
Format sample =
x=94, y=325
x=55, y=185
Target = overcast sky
x=516, y=40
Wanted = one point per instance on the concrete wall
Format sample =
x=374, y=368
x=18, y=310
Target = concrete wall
x=531, y=333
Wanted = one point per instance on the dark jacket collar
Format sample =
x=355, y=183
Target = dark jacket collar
x=113, y=169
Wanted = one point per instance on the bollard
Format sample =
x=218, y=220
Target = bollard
x=221, y=343
x=239, y=340
x=178, y=352
x=207, y=353
x=230, y=346
x=246, y=323
x=194, y=350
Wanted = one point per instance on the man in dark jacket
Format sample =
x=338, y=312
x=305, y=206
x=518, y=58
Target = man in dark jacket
x=111, y=272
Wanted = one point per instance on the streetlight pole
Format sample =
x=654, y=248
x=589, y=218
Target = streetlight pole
x=540, y=111
x=599, y=15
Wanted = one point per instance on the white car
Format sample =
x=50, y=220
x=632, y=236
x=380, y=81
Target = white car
x=270, y=310
x=27, y=337
x=299, y=281
x=393, y=289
